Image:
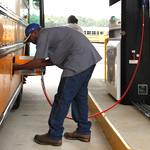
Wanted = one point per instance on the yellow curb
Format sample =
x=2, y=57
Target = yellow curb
x=114, y=137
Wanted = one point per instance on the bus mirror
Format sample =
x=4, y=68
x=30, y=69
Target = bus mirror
x=36, y=4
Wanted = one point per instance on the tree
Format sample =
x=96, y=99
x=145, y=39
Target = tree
x=51, y=21
x=34, y=19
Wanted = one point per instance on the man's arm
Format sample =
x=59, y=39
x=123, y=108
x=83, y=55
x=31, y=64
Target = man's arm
x=31, y=65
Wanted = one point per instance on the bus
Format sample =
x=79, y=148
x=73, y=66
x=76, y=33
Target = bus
x=14, y=18
x=96, y=34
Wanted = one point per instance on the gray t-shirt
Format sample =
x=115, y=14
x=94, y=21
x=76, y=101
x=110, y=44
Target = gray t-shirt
x=68, y=49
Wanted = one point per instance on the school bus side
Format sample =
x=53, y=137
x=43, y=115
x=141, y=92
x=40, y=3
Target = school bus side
x=96, y=34
x=13, y=20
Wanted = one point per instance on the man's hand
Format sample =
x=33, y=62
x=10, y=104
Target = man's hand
x=16, y=67
x=31, y=65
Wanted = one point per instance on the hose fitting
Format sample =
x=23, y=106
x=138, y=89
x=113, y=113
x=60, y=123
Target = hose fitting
x=144, y=2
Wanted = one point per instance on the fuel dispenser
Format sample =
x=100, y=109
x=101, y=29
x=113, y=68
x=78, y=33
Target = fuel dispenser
x=123, y=49
x=113, y=48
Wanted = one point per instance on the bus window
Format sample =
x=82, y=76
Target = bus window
x=34, y=11
x=34, y=18
x=84, y=32
x=97, y=32
x=88, y=32
x=93, y=32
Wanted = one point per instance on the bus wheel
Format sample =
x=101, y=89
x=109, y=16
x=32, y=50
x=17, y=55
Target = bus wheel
x=18, y=100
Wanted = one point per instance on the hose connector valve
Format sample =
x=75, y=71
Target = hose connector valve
x=144, y=3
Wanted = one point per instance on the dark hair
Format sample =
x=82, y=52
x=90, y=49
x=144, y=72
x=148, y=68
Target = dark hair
x=72, y=19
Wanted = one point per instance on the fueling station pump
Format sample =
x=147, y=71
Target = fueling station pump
x=134, y=20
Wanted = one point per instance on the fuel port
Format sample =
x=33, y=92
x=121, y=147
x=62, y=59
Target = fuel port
x=22, y=60
x=12, y=70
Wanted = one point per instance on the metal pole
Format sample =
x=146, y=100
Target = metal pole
x=106, y=41
x=42, y=23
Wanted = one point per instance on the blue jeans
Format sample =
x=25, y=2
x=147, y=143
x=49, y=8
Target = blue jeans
x=72, y=90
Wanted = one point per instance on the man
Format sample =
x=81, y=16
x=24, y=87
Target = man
x=71, y=51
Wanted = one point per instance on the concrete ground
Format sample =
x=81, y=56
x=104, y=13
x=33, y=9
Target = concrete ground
x=132, y=125
x=32, y=116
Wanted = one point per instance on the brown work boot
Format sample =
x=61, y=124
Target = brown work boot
x=76, y=136
x=45, y=140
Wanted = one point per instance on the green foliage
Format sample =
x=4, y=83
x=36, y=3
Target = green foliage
x=51, y=21
x=34, y=19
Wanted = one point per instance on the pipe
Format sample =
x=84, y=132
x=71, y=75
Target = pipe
x=42, y=23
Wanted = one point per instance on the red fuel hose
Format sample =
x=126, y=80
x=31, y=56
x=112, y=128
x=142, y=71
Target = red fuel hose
x=45, y=93
x=42, y=80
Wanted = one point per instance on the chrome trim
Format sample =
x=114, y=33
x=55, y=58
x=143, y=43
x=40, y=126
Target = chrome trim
x=26, y=3
x=7, y=12
x=5, y=50
x=10, y=104
x=115, y=28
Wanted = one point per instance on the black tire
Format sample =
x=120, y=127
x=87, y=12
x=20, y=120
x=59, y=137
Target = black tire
x=18, y=100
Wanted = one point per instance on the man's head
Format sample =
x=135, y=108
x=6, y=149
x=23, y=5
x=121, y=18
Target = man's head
x=72, y=19
x=32, y=32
